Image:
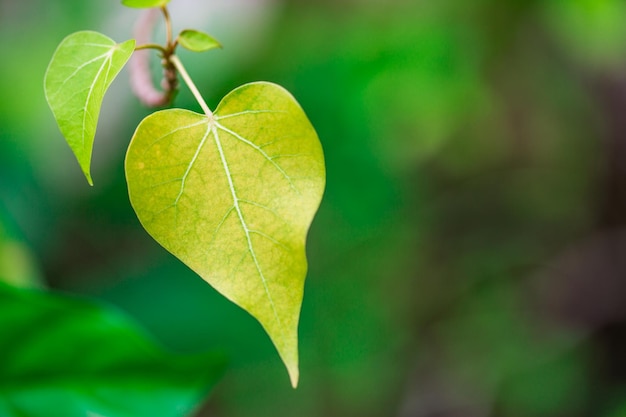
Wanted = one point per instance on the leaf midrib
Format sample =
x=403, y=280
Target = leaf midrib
x=218, y=143
x=107, y=61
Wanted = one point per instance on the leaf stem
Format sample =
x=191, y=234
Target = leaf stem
x=151, y=46
x=194, y=90
x=168, y=25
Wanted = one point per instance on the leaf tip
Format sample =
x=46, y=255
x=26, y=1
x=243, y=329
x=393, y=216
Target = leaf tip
x=89, y=179
x=289, y=356
x=294, y=375
x=286, y=344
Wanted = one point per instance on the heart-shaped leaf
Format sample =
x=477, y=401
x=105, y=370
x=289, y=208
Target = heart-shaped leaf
x=143, y=4
x=197, y=41
x=67, y=357
x=233, y=195
x=80, y=72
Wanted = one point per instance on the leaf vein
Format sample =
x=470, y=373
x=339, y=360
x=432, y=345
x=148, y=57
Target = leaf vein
x=170, y=133
x=76, y=71
x=262, y=152
x=221, y=223
x=270, y=238
x=264, y=207
x=87, y=100
x=191, y=164
x=242, y=113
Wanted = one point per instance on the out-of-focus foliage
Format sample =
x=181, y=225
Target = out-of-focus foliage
x=17, y=264
x=67, y=357
x=468, y=254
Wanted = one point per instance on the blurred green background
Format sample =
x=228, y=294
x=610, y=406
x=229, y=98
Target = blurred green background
x=469, y=257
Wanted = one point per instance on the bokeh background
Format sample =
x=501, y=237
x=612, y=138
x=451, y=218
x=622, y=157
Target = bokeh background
x=469, y=257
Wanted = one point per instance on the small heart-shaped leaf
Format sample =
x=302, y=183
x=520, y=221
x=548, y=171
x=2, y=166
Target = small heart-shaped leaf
x=144, y=4
x=232, y=195
x=80, y=72
x=197, y=41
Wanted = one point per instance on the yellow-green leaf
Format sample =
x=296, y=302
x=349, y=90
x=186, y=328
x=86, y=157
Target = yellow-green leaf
x=80, y=72
x=232, y=196
x=141, y=4
x=197, y=41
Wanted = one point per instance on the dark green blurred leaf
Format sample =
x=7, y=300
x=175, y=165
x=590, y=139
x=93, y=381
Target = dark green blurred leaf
x=68, y=357
x=620, y=409
x=553, y=387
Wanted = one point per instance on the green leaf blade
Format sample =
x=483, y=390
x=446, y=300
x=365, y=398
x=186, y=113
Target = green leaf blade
x=79, y=74
x=233, y=197
x=66, y=357
x=197, y=41
x=144, y=4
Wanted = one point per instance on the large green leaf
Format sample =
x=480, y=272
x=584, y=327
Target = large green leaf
x=233, y=196
x=68, y=357
x=80, y=72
